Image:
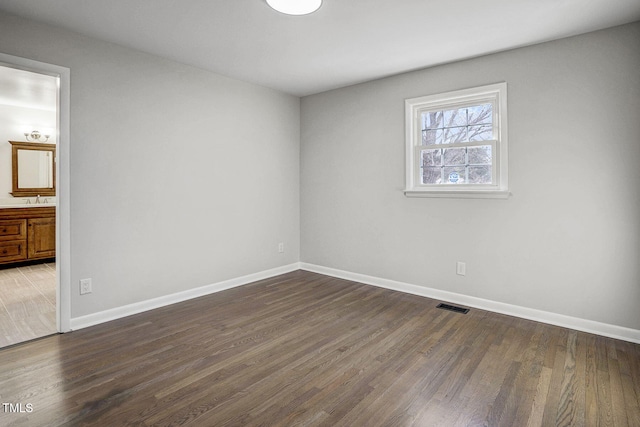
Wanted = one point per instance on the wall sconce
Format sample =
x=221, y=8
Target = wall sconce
x=36, y=136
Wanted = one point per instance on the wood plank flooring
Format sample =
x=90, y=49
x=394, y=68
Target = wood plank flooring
x=304, y=349
x=27, y=303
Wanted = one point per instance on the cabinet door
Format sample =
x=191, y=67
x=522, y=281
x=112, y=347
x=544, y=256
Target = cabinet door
x=42, y=238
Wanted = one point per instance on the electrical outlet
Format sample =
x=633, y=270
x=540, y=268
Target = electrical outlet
x=461, y=268
x=281, y=247
x=85, y=286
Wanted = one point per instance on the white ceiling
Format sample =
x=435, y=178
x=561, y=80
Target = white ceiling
x=345, y=42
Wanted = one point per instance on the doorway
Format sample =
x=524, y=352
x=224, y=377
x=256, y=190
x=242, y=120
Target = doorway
x=35, y=293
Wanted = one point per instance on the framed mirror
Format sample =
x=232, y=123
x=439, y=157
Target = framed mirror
x=33, y=169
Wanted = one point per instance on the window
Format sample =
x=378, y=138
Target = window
x=457, y=143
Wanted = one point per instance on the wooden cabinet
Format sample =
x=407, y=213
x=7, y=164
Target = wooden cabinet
x=41, y=238
x=27, y=234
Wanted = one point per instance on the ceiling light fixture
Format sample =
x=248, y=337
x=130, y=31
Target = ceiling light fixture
x=295, y=7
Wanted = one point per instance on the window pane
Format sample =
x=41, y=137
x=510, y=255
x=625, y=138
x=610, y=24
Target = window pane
x=432, y=120
x=480, y=155
x=480, y=133
x=454, y=174
x=431, y=157
x=454, y=118
x=432, y=137
x=454, y=156
x=453, y=135
x=431, y=175
x=479, y=174
x=480, y=114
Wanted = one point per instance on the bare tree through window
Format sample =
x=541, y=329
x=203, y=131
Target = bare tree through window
x=457, y=165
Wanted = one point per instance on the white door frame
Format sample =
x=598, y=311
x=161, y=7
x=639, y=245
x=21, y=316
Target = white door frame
x=63, y=234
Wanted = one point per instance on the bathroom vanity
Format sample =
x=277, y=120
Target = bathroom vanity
x=27, y=233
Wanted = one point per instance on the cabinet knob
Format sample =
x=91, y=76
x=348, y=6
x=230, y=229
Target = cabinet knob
x=4, y=251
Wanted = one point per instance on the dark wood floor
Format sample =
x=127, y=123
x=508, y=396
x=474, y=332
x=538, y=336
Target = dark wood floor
x=304, y=349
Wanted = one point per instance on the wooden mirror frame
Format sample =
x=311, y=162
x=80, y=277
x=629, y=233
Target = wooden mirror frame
x=30, y=192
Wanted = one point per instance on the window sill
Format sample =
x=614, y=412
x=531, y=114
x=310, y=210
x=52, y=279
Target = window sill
x=459, y=194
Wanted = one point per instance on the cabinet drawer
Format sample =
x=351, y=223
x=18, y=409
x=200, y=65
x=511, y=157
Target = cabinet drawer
x=15, y=250
x=13, y=229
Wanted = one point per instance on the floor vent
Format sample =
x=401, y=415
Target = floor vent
x=453, y=308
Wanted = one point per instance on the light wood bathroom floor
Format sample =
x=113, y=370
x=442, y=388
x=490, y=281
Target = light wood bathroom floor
x=27, y=303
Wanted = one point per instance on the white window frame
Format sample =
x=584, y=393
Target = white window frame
x=495, y=94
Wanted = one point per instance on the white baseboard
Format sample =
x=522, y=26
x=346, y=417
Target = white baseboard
x=584, y=325
x=139, y=307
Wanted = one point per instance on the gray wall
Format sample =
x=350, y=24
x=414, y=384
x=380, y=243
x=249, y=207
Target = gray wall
x=179, y=177
x=568, y=239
